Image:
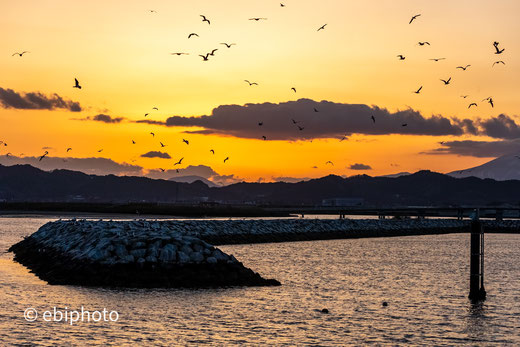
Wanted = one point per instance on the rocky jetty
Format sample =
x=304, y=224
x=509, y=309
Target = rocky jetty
x=137, y=254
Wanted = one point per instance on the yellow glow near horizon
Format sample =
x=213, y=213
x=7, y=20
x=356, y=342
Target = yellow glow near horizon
x=120, y=52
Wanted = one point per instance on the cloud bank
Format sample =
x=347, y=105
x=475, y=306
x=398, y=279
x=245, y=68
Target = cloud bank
x=156, y=154
x=35, y=101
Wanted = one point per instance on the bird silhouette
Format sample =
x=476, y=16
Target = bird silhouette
x=43, y=156
x=294, y=122
x=473, y=104
x=413, y=18
x=446, y=82
x=153, y=134
x=489, y=100
x=329, y=162
x=186, y=141
x=179, y=53
x=257, y=18
x=418, y=90
x=373, y=119
x=213, y=52
x=226, y=159
x=204, y=19
x=20, y=54
x=162, y=144
x=8, y=154
x=322, y=27
x=69, y=149
x=401, y=57
x=497, y=50
x=282, y=5
x=101, y=150
x=251, y=83
x=177, y=170
x=498, y=62
x=293, y=89
x=423, y=43
x=162, y=169
x=343, y=138
x=404, y=124
x=179, y=162
x=146, y=114
x=315, y=110
x=205, y=57
x=133, y=142
x=155, y=108
x=76, y=84
x=228, y=45
x=437, y=59
x=152, y=11
x=300, y=128
x=463, y=67
x=464, y=96
x=193, y=34
x=260, y=124
x=264, y=137
x=212, y=151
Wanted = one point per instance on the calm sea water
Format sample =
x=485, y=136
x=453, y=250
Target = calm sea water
x=424, y=279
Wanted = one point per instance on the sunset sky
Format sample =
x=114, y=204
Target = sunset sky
x=120, y=53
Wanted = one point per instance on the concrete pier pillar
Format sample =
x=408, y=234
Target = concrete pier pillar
x=476, y=280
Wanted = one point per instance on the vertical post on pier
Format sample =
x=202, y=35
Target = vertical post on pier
x=476, y=280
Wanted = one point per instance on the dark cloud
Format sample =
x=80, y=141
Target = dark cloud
x=93, y=166
x=360, y=167
x=35, y=101
x=106, y=118
x=501, y=127
x=156, y=154
x=203, y=171
x=481, y=149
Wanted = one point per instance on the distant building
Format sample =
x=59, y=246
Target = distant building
x=342, y=202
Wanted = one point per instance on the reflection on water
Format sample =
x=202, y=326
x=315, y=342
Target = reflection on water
x=424, y=279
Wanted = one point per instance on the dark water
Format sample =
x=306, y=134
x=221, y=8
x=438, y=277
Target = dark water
x=424, y=279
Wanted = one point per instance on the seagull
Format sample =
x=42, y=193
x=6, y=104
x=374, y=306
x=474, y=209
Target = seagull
x=463, y=67
x=205, y=57
x=322, y=27
x=185, y=141
x=146, y=114
x=76, y=84
x=251, y=83
x=490, y=101
x=179, y=53
x=192, y=34
x=264, y=137
x=153, y=11
x=260, y=124
x=227, y=158
x=204, y=19
x=401, y=57
x=446, y=82
x=282, y=5
x=20, y=54
x=343, y=138
x=152, y=134
x=498, y=51
x=404, y=124
x=423, y=43
x=315, y=110
x=300, y=128
x=418, y=90
x=464, y=96
x=212, y=151
x=101, y=150
x=162, y=145
x=257, y=19
x=437, y=59
x=373, y=119
x=162, y=169
x=228, y=45
x=329, y=162
x=473, y=104
x=213, y=52
x=155, y=108
x=294, y=122
x=69, y=149
x=43, y=156
x=414, y=17
x=293, y=89
x=133, y=142
x=498, y=62
x=179, y=162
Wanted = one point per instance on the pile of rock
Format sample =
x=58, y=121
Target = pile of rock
x=129, y=254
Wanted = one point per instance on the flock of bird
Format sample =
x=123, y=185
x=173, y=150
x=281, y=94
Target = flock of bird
x=206, y=57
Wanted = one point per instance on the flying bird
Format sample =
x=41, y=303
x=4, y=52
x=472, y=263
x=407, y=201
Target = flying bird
x=489, y=100
x=146, y=114
x=192, y=34
x=437, y=59
x=205, y=57
x=251, y=83
x=463, y=67
x=20, y=54
x=498, y=62
x=228, y=45
x=300, y=128
x=498, y=51
x=179, y=162
x=8, y=154
x=315, y=110
x=404, y=124
x=162, y=145
x=282, y=5
x=155, y=108
x=153, y=134
x=293, y=89
x=343, y=138
x=153, y=11
x=177, y=170
x=464, y=96
x=322, y=27
x=179, y=53
x=264, y=137
x=101, y=150
x=43, y=156
x=446, y=82
x=76, y=84
x=401, y=57
x=294, y=122
x=418, y=90
x=373, y=119
x=473, y=104
x=413, y=18
x=162, y=169
x=69, y=149
x=423, y=43
x=133, y=142
x=185, y=141
x=329, y=162
x=260, y=124
x=204, y=19
x=257, y=19
x=213, y=52
x=227, y=158
x=212, y=151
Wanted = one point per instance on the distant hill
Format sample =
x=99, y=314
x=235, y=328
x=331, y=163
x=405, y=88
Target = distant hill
x=424, y=188
x=191, y=179
x=399, y=174
x=503, y=168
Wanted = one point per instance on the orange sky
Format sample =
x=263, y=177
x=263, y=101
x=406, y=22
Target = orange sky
x=119, y=51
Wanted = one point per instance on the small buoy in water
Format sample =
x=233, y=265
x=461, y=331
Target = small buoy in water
x=385, y=303
x=324, y=310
